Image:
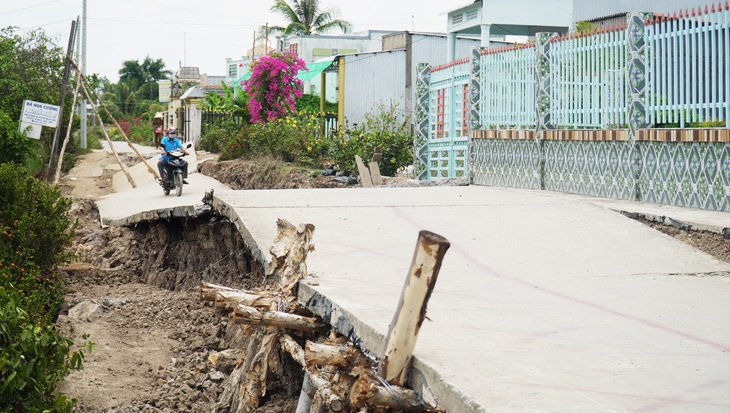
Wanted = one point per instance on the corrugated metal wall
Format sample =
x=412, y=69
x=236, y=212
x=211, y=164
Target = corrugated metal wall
x=591, y=9
x=381, y=76
x=371, y=78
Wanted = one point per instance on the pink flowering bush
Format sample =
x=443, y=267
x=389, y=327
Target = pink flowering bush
x=273, y=86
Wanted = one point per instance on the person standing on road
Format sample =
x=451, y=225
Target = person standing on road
x=170, y=143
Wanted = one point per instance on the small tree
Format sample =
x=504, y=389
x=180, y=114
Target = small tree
x=273, y=86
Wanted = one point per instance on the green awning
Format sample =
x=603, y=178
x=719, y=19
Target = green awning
x=313, y=69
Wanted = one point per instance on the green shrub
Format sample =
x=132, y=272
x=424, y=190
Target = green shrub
x=382, y=128
x=38, y=214
x=216, y=138
x=34, y=233
x=310, y=104
x=14, y=146
x=287, y=139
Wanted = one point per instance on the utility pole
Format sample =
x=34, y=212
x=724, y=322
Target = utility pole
x=64, y=85
x=82, y=113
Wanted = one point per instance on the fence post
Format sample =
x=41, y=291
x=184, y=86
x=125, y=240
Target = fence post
x=636, y=85
x=420, y=150
x=542, y=97
x=475, y=95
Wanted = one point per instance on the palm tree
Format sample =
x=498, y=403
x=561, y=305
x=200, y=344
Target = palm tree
x=136, y=74
x=307, y=17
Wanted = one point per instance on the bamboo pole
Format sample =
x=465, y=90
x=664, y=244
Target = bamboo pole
x=403, y=332
x=59, y=163
x=124, y=135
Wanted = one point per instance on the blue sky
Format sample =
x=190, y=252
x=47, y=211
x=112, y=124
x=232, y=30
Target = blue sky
x=194, y=32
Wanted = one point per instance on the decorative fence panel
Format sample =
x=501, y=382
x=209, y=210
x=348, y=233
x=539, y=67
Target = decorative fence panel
x=688, y=58
x=508, y=87
x=588, y=79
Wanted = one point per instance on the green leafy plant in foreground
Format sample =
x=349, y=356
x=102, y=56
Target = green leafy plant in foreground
x=34, y=233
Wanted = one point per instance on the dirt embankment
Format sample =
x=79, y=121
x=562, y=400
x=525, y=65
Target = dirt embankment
x=153, y=338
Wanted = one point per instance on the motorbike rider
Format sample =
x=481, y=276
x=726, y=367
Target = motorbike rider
x=170, y=143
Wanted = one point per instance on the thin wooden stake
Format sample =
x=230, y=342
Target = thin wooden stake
x=59, y=163
x=403, y=332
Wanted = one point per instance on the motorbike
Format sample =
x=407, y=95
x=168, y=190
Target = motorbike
x=175, y=168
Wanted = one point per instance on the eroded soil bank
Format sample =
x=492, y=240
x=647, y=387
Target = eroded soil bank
x=153, y=336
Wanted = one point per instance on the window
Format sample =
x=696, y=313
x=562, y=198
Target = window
x=457, y=18
x=294, y=48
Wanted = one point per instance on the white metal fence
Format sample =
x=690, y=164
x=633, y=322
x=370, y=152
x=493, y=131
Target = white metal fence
x=508, y=87
x=688, y=58
x=588, y=80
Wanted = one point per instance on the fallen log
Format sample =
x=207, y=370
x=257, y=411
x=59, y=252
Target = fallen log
x=208, y=291
x=342, y=357
x=243, y=314
x=230, y=299
x=325, y=400
x=293, y=348
x=366, y=391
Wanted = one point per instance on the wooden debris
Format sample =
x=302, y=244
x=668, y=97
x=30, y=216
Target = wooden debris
x=364, y=172
x=341, y=357
x=289, y=255
x=375, y=176
x=338, y=377
x=209, y=291
x=250, y=315
x=369, y=392
x=403, y=332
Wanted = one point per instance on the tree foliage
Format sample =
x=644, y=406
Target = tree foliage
x=137, y=89
x=31, y=67
x=137, y=74
x=307, y=17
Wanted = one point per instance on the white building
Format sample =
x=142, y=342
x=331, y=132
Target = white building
x=490, y=18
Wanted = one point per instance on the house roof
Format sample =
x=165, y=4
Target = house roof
x=193, y=93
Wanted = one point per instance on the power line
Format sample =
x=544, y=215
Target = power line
x=157, y=23
x=47, y=24
x=29, y=7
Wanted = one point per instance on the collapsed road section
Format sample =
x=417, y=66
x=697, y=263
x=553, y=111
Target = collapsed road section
x=537, y=289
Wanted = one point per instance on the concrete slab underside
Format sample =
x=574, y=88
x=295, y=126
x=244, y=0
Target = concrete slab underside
x=543, y=304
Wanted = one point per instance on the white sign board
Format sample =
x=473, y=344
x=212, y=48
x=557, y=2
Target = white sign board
x=39, y=113
x=30, y=130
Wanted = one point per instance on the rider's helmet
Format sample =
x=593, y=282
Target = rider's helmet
x=172, y=131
